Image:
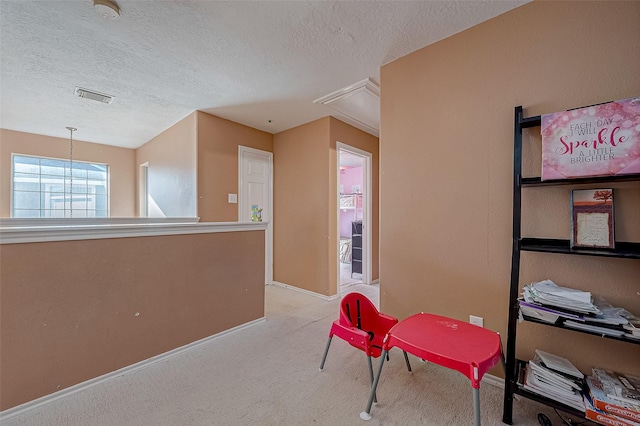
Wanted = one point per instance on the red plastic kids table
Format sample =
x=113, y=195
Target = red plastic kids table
x=454, y=344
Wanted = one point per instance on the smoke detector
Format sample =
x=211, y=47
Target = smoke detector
x=93, y=95
x=107, y=9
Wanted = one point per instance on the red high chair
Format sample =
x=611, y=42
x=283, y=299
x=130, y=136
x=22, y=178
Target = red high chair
x=363, y=327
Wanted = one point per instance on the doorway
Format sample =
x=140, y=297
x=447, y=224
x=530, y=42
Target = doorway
x=354, y=217
x=255, y=196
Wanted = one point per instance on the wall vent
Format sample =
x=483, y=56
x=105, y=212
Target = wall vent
x=93, y=95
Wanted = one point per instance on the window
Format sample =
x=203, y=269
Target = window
x=47, y=187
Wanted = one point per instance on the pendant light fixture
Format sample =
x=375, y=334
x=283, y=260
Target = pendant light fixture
x=71, y=129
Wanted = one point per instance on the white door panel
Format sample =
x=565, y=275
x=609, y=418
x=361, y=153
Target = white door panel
x=255, y=185
x=255, y=188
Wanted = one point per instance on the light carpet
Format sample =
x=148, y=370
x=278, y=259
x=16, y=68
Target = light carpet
x=268, y=374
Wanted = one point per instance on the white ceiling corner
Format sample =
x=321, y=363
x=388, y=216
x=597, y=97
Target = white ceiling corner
x=357, y=104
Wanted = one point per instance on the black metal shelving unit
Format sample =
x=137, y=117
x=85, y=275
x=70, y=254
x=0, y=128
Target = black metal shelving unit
x=628, y=250
x=356, y=247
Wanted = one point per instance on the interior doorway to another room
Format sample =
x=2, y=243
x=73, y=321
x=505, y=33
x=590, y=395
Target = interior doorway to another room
x=255, y=196
x=354, y=217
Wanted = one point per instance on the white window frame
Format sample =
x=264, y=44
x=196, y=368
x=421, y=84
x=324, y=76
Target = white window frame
x=40, y=157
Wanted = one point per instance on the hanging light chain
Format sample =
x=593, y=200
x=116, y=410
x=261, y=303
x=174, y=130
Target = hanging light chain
x=71, y=129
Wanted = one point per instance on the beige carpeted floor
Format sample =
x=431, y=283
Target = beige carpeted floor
x=268, y=374
x=347, y=279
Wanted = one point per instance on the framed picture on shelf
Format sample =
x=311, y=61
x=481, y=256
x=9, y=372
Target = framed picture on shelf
x=592, y=218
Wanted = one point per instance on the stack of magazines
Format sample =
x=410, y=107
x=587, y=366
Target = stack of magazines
x=546, y=301
x=554, y=377
x=613, y=398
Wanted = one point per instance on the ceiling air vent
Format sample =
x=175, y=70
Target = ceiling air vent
x=93, y=95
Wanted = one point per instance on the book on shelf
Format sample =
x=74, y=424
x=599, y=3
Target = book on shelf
x=546, y=313
x=538, y=314
x=559, y=364
x=605, y=417
x=571, y=397
x=624, y=388
x=600, y=329
x=553, y=378
x=602, y=402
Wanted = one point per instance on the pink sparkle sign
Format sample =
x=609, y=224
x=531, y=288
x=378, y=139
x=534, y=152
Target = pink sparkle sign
x=600, y=140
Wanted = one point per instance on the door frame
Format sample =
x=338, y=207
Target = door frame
x=268, y=240
x=143, y=190
x=367, y=195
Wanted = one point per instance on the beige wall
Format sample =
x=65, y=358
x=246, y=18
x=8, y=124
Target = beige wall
x=74, y=310
x=446, y=172
x=218, y=141
x=120, y=160
x=305, y=202
x=171, y=158
x=301, y=193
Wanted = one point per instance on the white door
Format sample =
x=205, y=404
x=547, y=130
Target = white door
x=255, y=191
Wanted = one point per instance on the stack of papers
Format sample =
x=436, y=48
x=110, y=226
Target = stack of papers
x=610, y=314
x=561, y=387
x=548, y=302
x=624, y=388
x=548, y=293
x=632, y=329
x=559, y=364
x=546, y=313
x=625, y=413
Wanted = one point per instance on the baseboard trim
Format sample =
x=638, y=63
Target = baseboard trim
x=22, y=408
x=376, y=281
x=490, y=379
x=302, y=290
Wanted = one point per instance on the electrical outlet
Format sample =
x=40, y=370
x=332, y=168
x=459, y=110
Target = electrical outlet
x=476, y=320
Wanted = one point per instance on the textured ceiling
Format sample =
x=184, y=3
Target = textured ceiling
x=250, y=62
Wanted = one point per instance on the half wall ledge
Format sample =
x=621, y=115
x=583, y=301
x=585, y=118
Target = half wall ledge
x=83, y=301
x=14, y=231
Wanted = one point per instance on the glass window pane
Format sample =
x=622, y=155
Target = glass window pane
x=26, y=200
x=26, y=164
x=79, y=170
x=55, y=203
x=101, y=202
x=79, y=189
x=52, y=167
x=42, y=188
x=52, y=180
x=96, y=174
x=26, y=186
x=26, y=213
x=25, y=177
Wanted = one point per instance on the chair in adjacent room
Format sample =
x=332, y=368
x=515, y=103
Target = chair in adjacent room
x=363, y=327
